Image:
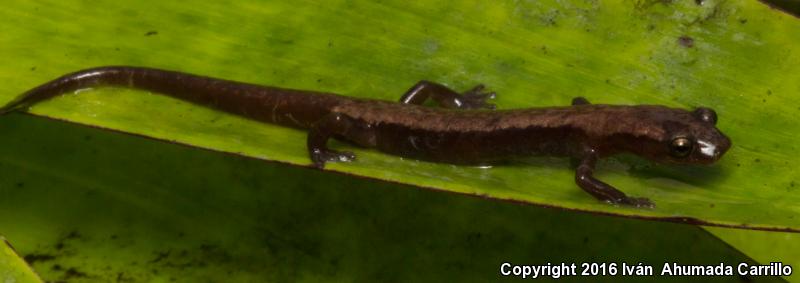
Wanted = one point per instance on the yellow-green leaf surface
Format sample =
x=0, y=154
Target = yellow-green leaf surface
x=99, y=206
x=12, y=267
x=738, y=57
x=764, y=246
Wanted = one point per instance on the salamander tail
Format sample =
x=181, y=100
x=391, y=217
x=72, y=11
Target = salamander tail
x=15, y=105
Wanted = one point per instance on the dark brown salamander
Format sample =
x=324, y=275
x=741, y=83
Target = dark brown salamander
x=458, y=132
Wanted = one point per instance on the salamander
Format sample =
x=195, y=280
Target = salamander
x=464, y=128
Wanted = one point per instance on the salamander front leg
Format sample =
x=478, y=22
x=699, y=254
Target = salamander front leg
x=332, y=125
x=603, y=191
x=474, y=98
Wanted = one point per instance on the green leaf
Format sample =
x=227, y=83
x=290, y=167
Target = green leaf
x=763, y=246
x=97, y=206
x=12, y=267
x=738, y=57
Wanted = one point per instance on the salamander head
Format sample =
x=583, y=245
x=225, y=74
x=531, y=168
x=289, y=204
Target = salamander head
x=701, y=142
x=680, y=136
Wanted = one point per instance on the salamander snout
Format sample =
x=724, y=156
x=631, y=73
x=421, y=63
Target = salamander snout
x=712, y=149
x=711, y=144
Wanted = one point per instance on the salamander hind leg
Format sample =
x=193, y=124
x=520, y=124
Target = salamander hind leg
x=580, y=100
x=333, y=124
x=601, y=190
x=475, y=98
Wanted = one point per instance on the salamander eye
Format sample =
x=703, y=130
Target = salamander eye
x=680, y=147
x=706, y=115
